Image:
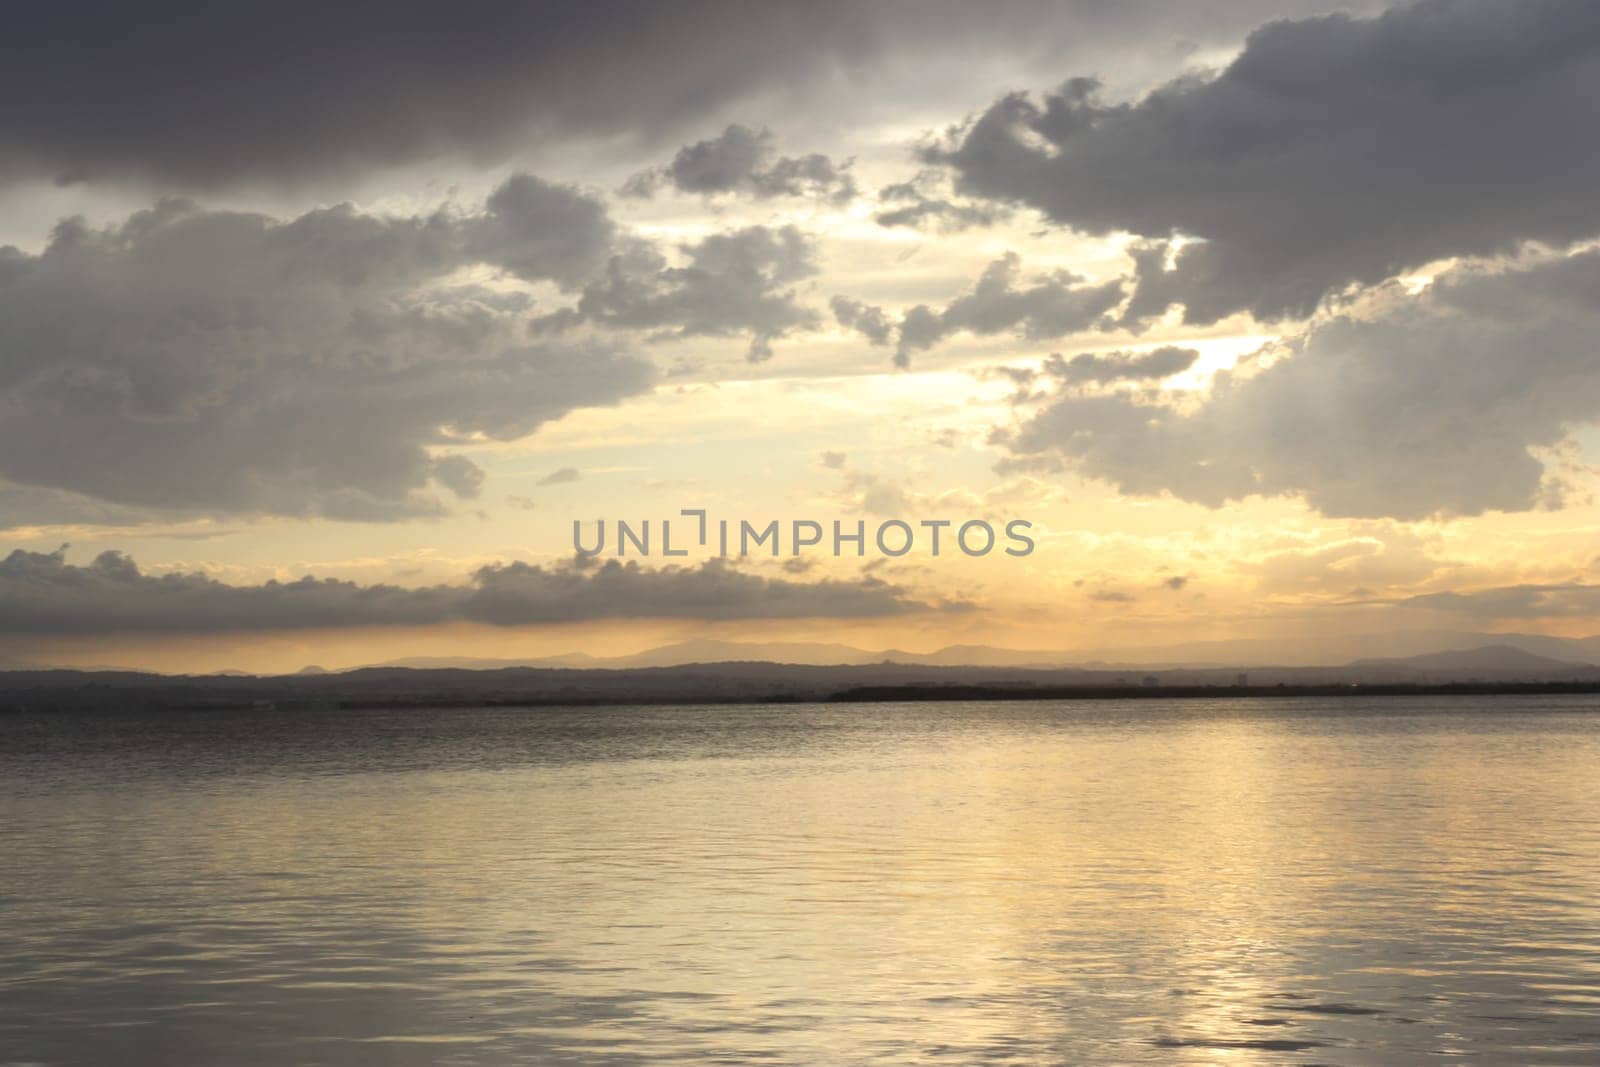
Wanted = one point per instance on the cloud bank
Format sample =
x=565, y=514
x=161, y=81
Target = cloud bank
x=1332, y=151
x=219, y=360
x=41, y=593
x=308, y=91
x=1417, y=406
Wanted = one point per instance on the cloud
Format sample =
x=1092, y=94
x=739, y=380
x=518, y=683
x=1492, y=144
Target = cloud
x=560, y=476
x=23, y=507
x=521, y=593
x=1411, y=407
x=458, y=474
x=309, y=91
x=536, y=229
x=1052, y=306
x=922, y=205
x=742, y=160
x=942, y=216
x=1574, y=600
x=1378, y=555
x=41, y=593
x=1159, y=363
x=740, y=282
x=873, y=495
x=219, y=360
x=868, y=320
x=1331, y=151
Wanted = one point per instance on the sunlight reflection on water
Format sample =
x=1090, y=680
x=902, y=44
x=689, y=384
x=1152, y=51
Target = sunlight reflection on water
x=1299, y=881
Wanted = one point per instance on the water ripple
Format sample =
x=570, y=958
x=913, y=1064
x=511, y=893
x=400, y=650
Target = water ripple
x=1267, y=882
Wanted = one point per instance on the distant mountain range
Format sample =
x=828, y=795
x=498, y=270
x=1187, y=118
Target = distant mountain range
x=1468, y=649
x=1488, y=668
x=1410, y=654
x=1493, y=659
x=711, y=651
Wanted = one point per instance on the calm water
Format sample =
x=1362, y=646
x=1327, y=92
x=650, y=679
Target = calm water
x=1297, y=881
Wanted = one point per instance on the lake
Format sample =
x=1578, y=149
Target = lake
x=1353, y=881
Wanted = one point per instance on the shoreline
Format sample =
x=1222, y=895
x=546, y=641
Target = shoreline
x=127, y=700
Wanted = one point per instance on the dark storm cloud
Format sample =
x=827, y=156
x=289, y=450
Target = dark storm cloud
x=1331, y=151
x=1414, y=407
x=218, y=360
x=193, y=93
x=1045, y=308
x=202, y=94
x=742, y=160
x=41, y=593
x=729, y=284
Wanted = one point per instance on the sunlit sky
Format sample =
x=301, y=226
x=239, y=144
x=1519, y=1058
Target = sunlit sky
x=1333, y=282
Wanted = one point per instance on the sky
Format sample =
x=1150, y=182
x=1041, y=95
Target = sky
x=320, y=329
